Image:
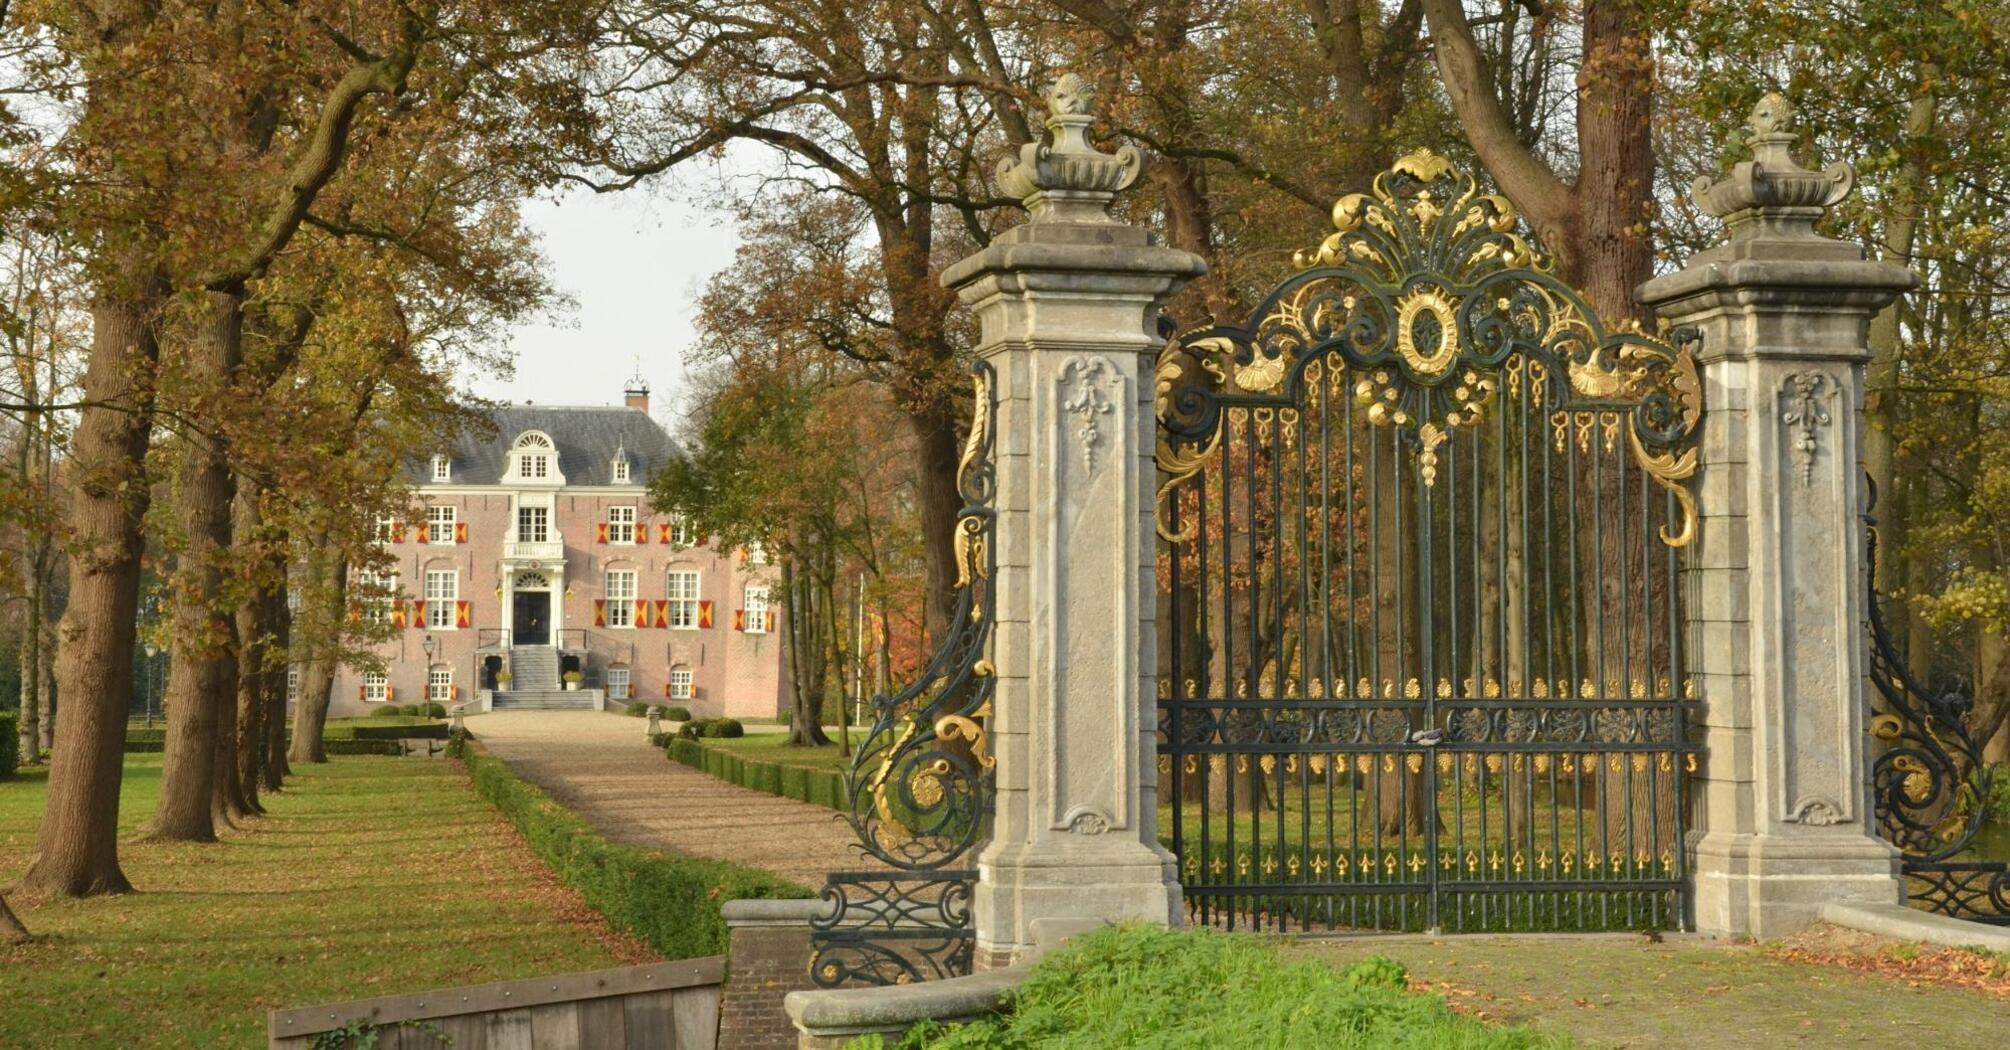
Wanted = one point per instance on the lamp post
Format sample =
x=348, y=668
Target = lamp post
x=149, y=684
x=430, y=645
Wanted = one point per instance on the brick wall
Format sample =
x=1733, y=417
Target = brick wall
x=767, y=957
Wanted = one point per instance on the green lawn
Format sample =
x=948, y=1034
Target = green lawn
x=371, y=876
x=1687, y=993
x=774, y=747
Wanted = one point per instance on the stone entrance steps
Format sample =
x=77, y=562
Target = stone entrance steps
x=547, y=700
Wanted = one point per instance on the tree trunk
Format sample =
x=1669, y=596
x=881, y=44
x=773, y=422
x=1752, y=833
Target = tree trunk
x=317, y=663
x=807, y=651
x=935, y=431
x=200, y=691
x=77, y=848
x=11, y=930
x=280, y=645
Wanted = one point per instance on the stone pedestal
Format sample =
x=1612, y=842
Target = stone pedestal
x=1069, y=306
x=1775, y=585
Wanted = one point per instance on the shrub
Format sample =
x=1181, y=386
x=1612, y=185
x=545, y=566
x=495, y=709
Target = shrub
x=10, y=744
x=435, y=709
x=724, y=728
x=669, y=901
x=677, y=714
x=1138, y=985
x=387, y=711
x=457, y=743
x=636, y=709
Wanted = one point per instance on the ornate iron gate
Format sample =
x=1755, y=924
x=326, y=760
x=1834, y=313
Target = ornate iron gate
x=920, y=782
x=1930, y=783
x=1420, y=645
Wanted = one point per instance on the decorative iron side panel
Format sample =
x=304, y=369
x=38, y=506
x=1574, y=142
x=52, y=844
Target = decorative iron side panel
x=920, y=783
x=1421, y=518
x=1928, y=783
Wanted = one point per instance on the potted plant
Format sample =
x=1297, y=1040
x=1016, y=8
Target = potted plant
x=503, y=680
x=572, y=680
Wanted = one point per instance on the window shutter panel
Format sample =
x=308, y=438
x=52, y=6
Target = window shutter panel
x=768, y=620
x=453, y=692
x=662, y=612
x=599, y=612
x=361, y=692
x=739, y=619
x=425, y=530
x=397, y=614
x=390, y=692
x=641, y=612
x=600, y=533
x=419, y=613
x=460, y=532
x=704, y=614
x=463, y=617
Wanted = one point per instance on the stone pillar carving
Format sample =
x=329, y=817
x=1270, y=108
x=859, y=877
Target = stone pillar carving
x=1775, y=584
x=1069, y=304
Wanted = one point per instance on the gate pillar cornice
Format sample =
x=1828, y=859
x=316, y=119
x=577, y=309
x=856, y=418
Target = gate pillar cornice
x=1068, y=306
x=1774, y=586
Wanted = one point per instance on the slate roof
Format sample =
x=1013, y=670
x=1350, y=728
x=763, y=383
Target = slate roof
x=587, y=438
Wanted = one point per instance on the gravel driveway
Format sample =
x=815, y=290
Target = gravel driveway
x=598, y=765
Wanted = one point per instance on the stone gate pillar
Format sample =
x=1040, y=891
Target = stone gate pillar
x=1775, y=584
x=1068, y=304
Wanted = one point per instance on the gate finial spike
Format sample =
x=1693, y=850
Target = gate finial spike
x=1068, y=179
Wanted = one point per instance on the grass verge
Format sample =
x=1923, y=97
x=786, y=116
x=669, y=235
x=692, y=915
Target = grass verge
x=671, y=902
x=369, y=876
x=1142, y=986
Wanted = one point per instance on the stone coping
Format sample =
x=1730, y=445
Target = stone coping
x=1911, y=924
x=892, y=1009
x=758, y=912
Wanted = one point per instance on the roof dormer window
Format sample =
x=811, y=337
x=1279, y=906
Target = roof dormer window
x=621, y=463
x=531, y=458
x=443, y=468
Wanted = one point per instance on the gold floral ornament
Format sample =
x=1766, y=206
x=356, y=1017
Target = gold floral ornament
x=1424, y=304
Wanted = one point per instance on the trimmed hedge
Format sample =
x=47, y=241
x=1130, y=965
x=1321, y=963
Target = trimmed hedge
x=151, y=741
x=676, y=714
x=818, y=787
x=723, y=728
x=10, y=744
x=668, y=900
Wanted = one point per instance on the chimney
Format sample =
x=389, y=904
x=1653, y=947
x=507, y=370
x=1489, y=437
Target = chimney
x=636, y=394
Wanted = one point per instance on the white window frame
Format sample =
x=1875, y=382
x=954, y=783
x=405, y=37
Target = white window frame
x=439, y=684
x=540, y=517
x=619, y=588
x=682, y=588
x=292, y=685
x=621, y=525
x=618, y=687
x=681, y=532
x=443, y=591
x=681, y=683
x=443, y=469
x=441, y=519
x=377, y=605
x=754, y=609
x=536, y=465
x=376, y=687
x=756, y=553
x=621, y=468
x=385, y=523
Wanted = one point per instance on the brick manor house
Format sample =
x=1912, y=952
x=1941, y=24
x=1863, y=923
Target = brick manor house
x=536, y=554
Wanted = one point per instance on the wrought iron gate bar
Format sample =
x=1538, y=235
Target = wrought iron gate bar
x=1421, y=519
x=1929, y=780
x=920, y=783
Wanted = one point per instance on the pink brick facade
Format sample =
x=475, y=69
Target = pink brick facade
x=624, y=610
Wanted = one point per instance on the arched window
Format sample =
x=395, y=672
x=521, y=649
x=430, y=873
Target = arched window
x=440, y=684
x=443, y=469
x=531, y=454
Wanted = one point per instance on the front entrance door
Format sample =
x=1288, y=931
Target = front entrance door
x=532, y=622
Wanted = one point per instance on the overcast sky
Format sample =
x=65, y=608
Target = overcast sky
x=634, y=264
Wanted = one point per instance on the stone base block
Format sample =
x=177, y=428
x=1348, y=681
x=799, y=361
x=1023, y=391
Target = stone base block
x=1031, y=899
x=827, y=1020
x=1770, y=885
